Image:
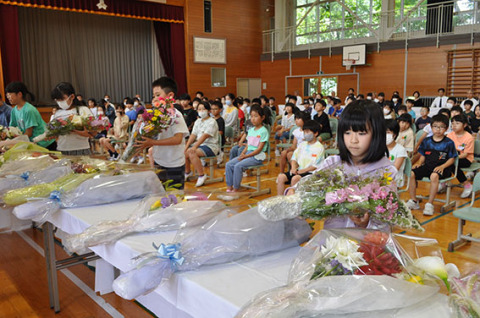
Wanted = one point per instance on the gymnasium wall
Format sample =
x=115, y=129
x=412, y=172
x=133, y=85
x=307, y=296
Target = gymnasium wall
x=426, y=71
x=239, y=22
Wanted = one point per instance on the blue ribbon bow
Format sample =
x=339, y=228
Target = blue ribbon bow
x=171, y=252
x=25, y=175
x=55, y=195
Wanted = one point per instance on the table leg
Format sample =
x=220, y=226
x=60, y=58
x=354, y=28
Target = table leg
x=51, y=266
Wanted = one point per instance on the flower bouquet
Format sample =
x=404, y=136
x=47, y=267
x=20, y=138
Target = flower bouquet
x=158, y=212
x=92, y=189
x=99, y=124
x=151, y=123
x=351, y=273
x=28, y=149
x=224, y=238
x=334, y=193
x=10, y=132
x=465, y=299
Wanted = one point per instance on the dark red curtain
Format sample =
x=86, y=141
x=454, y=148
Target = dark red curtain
x=171, y=44
x=10, y=44
x=129, y=8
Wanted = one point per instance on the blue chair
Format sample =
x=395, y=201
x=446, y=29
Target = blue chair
x=407, y=171
x=465, y=214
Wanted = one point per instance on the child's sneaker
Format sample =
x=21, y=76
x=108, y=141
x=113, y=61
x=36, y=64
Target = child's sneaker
x=428, y=210
x=140, y=160
x=467, y=191
x=412, y=205
x=277, y=153
x=201, y=180
x=442, y=187
x=188, y=175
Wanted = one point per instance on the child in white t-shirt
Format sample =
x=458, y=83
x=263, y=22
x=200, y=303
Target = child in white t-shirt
x=397, y=153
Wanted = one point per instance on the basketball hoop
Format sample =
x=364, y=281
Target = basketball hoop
x=348, y=63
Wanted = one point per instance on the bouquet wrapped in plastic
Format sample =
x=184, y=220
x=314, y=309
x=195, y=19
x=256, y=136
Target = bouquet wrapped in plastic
x=158, y=212
x=151, y=123
x=27, y=149
x=51, y=173
x=334, y=193
x=10, y=132
x=225, y=238
x=24, y=164
x=354, y=273
x=92, y=190
x=465, y=298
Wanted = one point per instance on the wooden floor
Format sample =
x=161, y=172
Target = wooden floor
x=24, y=293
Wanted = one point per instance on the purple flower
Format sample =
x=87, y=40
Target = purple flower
x=165, y=202
x=173, y=198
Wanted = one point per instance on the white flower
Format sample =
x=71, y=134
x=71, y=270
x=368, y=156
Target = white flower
x=435, y=266
x=345, y=251
x=77, y=120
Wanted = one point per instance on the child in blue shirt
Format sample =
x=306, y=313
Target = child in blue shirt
x=437, y=156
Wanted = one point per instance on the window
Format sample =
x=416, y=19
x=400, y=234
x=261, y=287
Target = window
x=219, y=77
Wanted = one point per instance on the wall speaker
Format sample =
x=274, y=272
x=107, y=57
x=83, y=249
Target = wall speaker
x=207, y=16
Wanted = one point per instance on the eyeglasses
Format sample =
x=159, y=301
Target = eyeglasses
x=439, y=127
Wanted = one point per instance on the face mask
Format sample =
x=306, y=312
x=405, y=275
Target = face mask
x=369, y=97
x=63, y=104
x=203, y=114
x=308, y=137
x=389, y=139
x=449, y=105
x=394, y=100
x=245, y=105
x=107, y=99
x=376, y=100
x=386, y=111
x=228, y=102
x=135, y=104
x=310, y=102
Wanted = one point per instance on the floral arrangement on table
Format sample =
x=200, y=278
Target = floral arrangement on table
x=334, y=193
x=151, y=123
x=59, y=126
x=9, y=132
x=352, y=271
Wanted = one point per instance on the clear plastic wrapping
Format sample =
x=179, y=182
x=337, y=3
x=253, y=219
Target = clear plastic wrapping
x=57, y=170
x=225, y=238
x=354, y=273
x=334, y=193
x=159, y=212
x=25, y=163
x=97, y=190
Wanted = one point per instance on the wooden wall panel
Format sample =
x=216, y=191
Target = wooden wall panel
x=239, y=23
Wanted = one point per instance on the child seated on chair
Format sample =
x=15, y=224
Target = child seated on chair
x=336, y=109
x=396, y=151
x=216, y=110
x=468, y=104
x=117, y=134
x=475, y=122
x=286, y=155
x=405, y=137
x=282, y=132
x=253, y=154
x=410, y=103
x=424, y=119
x=203, y=142
x=322, y=119
x=305, y=159
x=464, y=143
x=437, y=156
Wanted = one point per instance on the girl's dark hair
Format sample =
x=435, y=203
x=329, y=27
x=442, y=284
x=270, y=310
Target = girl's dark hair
x=289, y=105
x=322, y=102
x=232, y=97
x=258, y=109
x=206, y=105
x=65, y=88
x=302, y=115
x=238, y=102
x=445, y=111
x=121, y=106
x=393, y=126
x=102, y=107
x=19, y=87
x=93, y=100
x=363, y=115
x=462, y=119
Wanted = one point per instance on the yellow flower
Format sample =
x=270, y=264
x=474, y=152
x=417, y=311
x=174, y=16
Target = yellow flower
x=156, y=205
x=387, y=178
x=157, y=112
x=415, y=279
x=149, y=111
x=154, y=118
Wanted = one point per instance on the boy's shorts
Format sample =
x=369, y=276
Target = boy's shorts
x=425, y=172
x=290, y=177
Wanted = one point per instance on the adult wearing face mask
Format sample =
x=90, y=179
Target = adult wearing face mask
x=396, y=102
x=76, y=143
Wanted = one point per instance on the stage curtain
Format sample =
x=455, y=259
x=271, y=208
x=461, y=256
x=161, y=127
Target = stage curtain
x=122, y=8
x=10, y=44
x=171, y=44
x=98, y=55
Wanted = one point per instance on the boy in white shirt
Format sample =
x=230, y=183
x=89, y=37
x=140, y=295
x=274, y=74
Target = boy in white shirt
x=305, y=159
x=169, y=147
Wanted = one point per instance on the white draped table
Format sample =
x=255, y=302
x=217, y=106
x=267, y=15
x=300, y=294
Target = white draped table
x=212, y=291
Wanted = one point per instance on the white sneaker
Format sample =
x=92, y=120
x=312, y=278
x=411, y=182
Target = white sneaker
x=442, y=187
x=466, y=192
x=140, y=160
x=133, y=159
x=412, y=205
x=220, y=158
x=245, y=174
x=201, y=180
x=470, y=175
x=188, y=175
x=428, y=210
x=277, y=153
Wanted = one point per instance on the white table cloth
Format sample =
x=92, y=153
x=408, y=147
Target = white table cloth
x=212, y=291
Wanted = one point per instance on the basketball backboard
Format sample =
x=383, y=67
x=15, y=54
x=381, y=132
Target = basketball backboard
x=355, y=52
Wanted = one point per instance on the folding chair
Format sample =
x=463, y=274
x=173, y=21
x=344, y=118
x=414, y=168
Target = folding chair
x=330, y=152
x=334, y=128
x=289, y=140
x=229, y=136
x=475, y=164
x=407, y=171
x=466, y=214
x=212, y=161
x=418, y=135
x=258, y=172
x=447, y=203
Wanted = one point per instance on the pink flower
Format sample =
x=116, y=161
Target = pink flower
x=171, y=112
x=334, y=197
x=379, y=209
